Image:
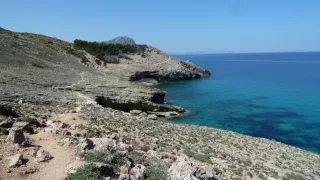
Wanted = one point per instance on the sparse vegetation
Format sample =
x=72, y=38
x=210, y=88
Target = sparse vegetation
x=26, y=119
x=154, y=173
x=202, y=158
x=116, y=159
x=196, y=156
x=87, y=172
x=100, y=50
x=292, y=176
x=96, y=156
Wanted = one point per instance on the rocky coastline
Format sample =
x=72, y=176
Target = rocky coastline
x=65, y=114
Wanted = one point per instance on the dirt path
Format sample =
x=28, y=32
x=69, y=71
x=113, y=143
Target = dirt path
x=55, y=168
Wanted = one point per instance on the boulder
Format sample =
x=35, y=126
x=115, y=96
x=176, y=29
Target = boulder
x=122, y=146
x=85, y=143
x=7, y=123
x=185, y=169
x=43, y=156
x=135, y=112
x=102, y=144
x=23, y=126
x=15, y=160
x=124, y=177
x=152, y=117
x=16, y=136
x=137, y=172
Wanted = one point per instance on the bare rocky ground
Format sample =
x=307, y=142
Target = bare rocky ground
x=63, y=116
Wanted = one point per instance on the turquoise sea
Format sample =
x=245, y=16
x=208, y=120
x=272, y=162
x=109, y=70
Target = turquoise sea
x=269, y=95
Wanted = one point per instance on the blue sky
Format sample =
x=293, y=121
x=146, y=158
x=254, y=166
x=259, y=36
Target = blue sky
x=175, y=26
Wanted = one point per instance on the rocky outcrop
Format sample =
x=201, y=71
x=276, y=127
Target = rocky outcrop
x=173, y=70
x=131, y=104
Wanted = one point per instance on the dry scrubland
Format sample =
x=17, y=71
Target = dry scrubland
x=64, y=114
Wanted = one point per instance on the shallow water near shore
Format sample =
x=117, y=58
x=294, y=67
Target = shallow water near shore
x=269, y=95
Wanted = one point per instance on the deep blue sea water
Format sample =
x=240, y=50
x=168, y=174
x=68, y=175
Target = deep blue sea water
x=270, y=95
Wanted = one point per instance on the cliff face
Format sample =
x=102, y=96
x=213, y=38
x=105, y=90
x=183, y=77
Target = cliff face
x=154, y=63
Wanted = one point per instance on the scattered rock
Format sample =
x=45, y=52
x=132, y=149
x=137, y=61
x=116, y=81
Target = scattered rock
x=15, y=160
x=137, y=172
x=85, y=143
x=102, y=144
x=43, y=156
x=23, y=126
x=124, y=177
x=16, y=136
x=182, y=169
x=135, y=112
x=7, y=123
x=152, y=117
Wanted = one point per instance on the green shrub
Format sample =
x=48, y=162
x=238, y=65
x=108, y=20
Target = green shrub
x=116, y=160
x=188, y=152
x=87, y=172
x=26, y=119
x=96, y=156
x=292, y=176
x=199, y=157
x=101, y=49
x=202, y=158
x=154, y=173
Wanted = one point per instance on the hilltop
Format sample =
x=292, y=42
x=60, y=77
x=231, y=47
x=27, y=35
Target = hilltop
x=79, y=112
x=122, y=40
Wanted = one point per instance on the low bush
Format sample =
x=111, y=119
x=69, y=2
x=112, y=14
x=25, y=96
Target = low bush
x=26, y=119
x=102, y=49
x=96, y=156
x=87, y=172
x=155, y=173
x=199, y=157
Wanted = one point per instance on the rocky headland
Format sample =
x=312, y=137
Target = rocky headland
x=66, y=113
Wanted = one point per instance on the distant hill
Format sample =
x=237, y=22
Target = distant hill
x=122, y=40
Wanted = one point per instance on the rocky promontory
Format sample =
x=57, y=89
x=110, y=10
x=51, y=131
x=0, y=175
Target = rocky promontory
x=66, y=113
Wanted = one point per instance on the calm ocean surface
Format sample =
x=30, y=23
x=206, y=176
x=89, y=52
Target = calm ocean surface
x=270, y=95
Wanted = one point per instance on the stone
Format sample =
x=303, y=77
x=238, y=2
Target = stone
x=144, y=114
x=124, y=177
x=135, y=112
x=102, y=144
x=63, y=125
x=122, y=146
x=15, y=160
x=182, y=169
x=137, y=172
x=123, y=170
x=43, y=156
x=16, y=136
x=85, y=143
x=23, y=126
x=7, y=123
x=73, y=126
x=271, y=178
x=152, y=117
x=203, y=172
